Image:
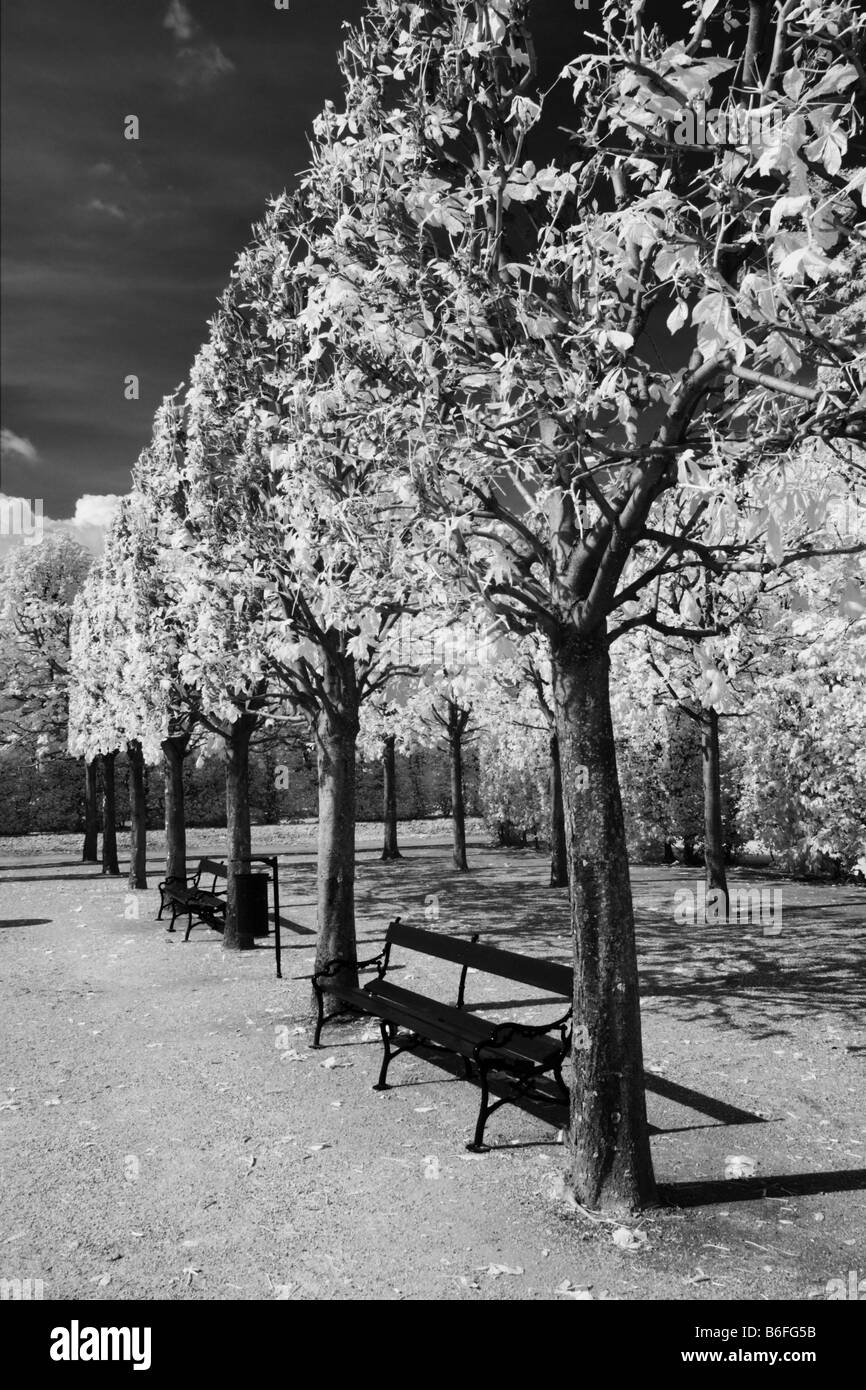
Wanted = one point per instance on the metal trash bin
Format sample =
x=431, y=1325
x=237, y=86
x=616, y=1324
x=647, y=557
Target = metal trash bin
x=251, y=892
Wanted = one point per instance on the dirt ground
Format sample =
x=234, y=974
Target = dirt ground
x=167, y=1133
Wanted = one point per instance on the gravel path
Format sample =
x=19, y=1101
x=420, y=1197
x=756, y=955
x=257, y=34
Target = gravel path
x=167, y=1134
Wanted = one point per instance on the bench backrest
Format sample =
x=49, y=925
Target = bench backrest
x=527, y=970
x=211, y=866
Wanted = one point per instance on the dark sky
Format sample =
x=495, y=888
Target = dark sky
x=114, y=249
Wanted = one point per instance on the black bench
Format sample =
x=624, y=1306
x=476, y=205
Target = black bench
x=407, y=1020
x=187, y=897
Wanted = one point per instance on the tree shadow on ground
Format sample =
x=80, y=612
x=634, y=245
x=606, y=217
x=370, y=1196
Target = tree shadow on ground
x=732, y=974
x=26, y=922
x=10, y=865
x=63, y=878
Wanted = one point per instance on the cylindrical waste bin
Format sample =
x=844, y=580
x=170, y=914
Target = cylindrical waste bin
x=252, y=901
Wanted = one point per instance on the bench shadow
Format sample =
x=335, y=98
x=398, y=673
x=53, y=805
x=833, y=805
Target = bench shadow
x=27, y=922
x=711, y=1191
x=547, y=1105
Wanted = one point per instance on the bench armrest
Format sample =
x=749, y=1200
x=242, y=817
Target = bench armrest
x=504, y=1032
x=176, y=878
x=341, y=963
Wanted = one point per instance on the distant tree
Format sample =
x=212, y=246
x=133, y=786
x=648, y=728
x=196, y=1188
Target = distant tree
x=38, y=585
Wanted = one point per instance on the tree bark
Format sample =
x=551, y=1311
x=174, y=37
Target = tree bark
x=611, y=1163
x=238, y=826
x=336, y=735
x=90, y=852
x=558, y=847
x=109, y=816
x=390, y=848
x=137, y=818
x=110, y=863
x=457, y=721
x=714, y=847
x=174, y=752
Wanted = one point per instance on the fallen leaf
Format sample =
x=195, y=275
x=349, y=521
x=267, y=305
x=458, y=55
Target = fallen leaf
x=740, y=1166
x=630, y=1240
x=576, y=1291
x=495, y=1270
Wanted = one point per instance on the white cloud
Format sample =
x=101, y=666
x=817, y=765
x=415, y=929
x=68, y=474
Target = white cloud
x=16, y=446
x=21, y=521
x=95, y=509
x=180, y=21
x=200, y=61
x=107, y=209
x=201, y=64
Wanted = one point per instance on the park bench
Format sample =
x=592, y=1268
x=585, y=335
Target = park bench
x=188, y=898
x=523, y=1052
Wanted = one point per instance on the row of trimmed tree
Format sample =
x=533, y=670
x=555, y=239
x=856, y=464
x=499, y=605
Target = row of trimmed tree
x=472, y=363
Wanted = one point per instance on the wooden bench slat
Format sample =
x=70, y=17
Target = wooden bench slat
x=423, y=1010
x=527, y=970
x=448, y=1028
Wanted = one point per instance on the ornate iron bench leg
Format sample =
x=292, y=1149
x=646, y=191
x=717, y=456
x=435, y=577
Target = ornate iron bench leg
x=188, y=925
x=320, y=1005
x=173, y=915
x=161, y=905
x=387, y=1036
x=478, y=1145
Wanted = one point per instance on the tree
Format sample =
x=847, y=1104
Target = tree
x=377, y=739
x=301, y=518
x=38, y=584
x=169, y=709
x=800, y=749
x=531, y=670
x=92, y=731
x=507, y=313
x=390, y=849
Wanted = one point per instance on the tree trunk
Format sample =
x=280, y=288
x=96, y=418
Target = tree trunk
x=90, y=852
x=336, y=734
x=558, y=847
x=610, y=1151
x=714, y=848
x=238, y=826
x=389, y=799
x=109, y=816
x=457, y=721
x=137, y=818
x=174, y=753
